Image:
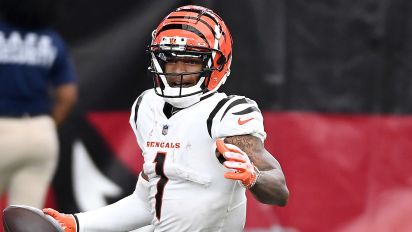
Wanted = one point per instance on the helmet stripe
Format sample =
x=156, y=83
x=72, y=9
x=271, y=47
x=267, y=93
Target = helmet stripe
x=184, y=27
x=205, y=13
x=194, y=18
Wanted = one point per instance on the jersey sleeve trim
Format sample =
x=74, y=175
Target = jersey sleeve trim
x=227, y=120
x=134, y=117
x=212, y=115
x=238, y=102
x=136, y=109
x=247, y=110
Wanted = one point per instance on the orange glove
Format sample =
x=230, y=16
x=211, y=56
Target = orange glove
x=66, y=221
x=238, y=160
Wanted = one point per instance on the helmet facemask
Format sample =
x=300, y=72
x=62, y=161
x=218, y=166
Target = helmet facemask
x=178, y=92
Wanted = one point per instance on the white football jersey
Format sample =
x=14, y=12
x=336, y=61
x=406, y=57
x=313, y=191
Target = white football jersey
x=187, y=190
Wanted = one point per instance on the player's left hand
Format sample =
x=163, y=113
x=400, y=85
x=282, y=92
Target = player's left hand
x=66, y=221
x=238, y=160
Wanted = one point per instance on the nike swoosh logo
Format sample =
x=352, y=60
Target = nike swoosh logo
x=241, y=122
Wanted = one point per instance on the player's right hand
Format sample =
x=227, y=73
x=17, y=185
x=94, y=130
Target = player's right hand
x=238, y=160
x=66, y=221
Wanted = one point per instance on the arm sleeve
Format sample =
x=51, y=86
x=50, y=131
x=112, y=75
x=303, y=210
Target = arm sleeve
x=131, y=212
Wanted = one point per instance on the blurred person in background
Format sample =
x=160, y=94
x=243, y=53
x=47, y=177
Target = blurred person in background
x=37, y=91
x=185, y=184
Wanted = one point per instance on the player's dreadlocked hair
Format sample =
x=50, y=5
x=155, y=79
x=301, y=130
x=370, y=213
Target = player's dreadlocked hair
x=30, y=13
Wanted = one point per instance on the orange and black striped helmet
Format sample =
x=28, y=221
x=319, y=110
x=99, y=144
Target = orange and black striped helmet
x=192, y=31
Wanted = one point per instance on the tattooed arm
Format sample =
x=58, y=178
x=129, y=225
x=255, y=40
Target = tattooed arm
x=270, y=187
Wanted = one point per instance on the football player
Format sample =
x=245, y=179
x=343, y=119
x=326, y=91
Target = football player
x=202, y=149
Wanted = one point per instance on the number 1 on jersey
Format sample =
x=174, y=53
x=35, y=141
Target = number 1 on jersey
x=159, y=168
